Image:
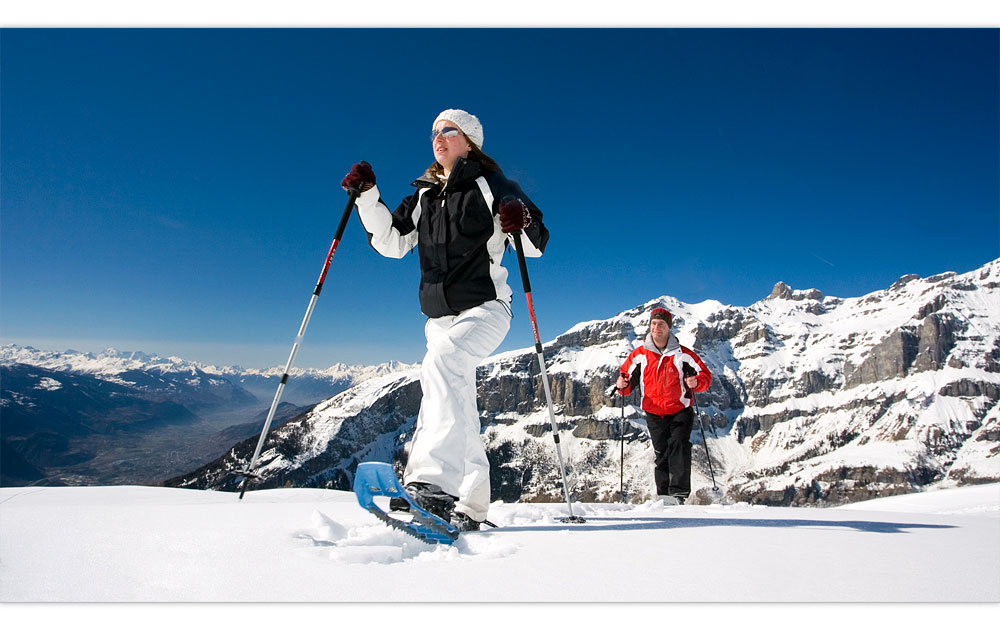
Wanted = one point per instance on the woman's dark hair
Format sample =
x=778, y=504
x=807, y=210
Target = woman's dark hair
x=487, y=163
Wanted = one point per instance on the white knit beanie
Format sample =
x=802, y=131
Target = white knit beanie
x=469, y=124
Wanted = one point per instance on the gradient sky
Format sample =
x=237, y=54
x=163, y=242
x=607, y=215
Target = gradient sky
x=176, y=191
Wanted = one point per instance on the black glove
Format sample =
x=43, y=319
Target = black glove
x=514, y=215
x=361, y=177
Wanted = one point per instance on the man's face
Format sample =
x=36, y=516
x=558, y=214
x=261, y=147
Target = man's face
x=660, y=331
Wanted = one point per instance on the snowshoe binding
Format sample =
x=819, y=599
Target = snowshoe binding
x=465, y=523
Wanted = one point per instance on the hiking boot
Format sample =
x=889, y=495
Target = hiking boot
x=399, y=504
x=432, y=498
x=464, y=522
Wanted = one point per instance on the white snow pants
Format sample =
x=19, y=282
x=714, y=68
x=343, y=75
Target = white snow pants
x=446, y=449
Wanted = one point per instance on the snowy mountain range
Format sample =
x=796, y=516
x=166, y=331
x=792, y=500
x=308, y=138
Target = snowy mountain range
x=130, y=417
x=816, y=400
x=134, y=369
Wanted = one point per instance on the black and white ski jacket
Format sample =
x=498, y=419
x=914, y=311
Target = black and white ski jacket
x=456, y=229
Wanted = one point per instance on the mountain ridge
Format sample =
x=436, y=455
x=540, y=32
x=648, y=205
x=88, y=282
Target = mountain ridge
x=113, y=361
x=816, y=400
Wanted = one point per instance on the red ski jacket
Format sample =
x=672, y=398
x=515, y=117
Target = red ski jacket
x=661, y=376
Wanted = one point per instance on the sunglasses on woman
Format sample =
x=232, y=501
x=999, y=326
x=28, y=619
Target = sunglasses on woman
x=445, y=132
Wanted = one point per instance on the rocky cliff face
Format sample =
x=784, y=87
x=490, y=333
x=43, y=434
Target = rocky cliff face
x=815, y=400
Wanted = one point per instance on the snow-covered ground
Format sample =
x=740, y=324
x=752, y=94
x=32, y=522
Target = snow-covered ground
x=146, y=544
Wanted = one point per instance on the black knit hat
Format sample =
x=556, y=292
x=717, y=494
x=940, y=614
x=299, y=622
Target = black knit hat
x=661, y=313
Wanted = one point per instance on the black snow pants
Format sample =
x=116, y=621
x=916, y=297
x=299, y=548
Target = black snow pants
x=671, y=437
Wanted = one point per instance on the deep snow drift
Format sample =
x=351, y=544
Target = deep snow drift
x=125, y=544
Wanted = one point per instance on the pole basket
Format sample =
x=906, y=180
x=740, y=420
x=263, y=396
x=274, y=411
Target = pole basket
x=240, y=474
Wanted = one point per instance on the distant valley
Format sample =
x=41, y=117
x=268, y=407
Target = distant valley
x=72, y=418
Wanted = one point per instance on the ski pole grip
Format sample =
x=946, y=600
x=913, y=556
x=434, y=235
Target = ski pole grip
x=520, y=261
x=352, y=197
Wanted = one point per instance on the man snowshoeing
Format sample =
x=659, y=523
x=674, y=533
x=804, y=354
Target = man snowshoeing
x=668, y=373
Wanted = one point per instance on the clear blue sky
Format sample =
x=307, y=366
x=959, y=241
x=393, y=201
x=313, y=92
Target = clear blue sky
x=176, y=191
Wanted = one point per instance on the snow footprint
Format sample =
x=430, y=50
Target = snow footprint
x=377, y=544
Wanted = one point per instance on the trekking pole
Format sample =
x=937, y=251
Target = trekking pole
x=621, y=438
x=545, y=377
x=704, y=441
x=352, y=196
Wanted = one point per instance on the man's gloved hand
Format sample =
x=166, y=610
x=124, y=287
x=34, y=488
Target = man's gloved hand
x=514, y=215
x=622, y=384
x=361, y=177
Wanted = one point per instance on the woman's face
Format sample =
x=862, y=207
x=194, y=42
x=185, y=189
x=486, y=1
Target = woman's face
x=448, y=150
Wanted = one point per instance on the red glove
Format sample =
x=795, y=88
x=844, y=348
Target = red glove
x=514, y=216
x=622, y=384
x=361, y=177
